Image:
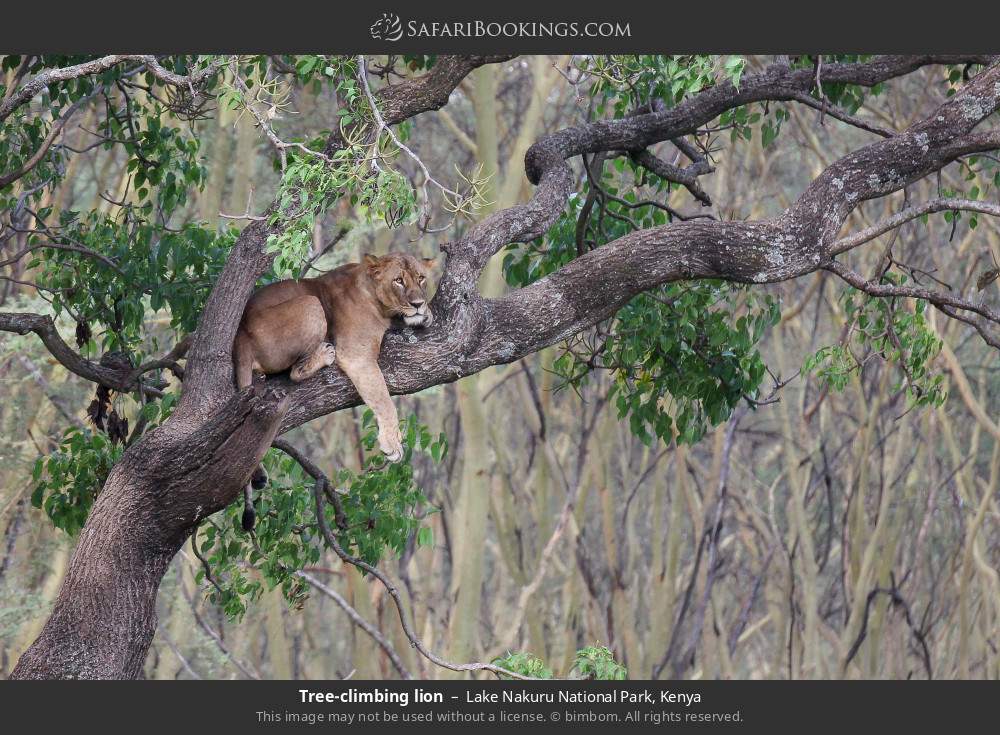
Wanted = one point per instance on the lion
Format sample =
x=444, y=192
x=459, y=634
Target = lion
x=338, y=318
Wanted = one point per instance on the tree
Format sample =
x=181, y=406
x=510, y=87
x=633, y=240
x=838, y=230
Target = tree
x=572, y=273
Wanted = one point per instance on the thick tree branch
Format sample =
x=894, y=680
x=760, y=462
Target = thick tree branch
x=209, y=375
x=45, y=328
x=686, y=177
x=777, y=83
x=472, y=333
x=97, y=66
x=196, y=462
x=57, y=127
x=430, y=91
x=121, y=378
x=545, y=162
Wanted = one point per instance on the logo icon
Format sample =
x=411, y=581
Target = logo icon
x=387, y=28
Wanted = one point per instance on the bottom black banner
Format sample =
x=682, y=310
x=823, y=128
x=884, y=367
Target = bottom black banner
x=281, y=706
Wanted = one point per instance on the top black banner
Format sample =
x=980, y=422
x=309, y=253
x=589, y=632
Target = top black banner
x=392, y=26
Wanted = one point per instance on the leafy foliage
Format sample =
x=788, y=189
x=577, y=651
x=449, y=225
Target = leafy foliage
x=310, y=186
x=597, y=662
x=897, y=335
x=623, y=83
x=591, y=662
x=383, y=507
x=684, y=357
x=312, y=182
x=68, y=480
x=285, y=539
x=155, y=269
x=112, y=271
x=681, y=357
x=526, y=664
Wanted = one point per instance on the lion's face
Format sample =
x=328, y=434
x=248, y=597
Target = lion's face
x=400, y=285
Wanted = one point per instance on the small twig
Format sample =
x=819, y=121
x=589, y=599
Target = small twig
x=943, y=301
x=942, y=204
x=244, y=669
x=457, y=198
x=394, y=594
x=897, y=601
x=246, y=212
x=844, y=117
x=262, y=122
x=322, y=492
x=204, y=562
x=367, y=627
x=180, y=657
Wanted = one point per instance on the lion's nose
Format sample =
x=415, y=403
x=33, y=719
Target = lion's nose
x=417, y=304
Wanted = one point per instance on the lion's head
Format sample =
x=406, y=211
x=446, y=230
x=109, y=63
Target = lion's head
x=400, y=281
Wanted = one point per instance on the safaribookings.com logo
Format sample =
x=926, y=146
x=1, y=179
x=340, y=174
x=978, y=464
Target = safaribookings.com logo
x=390, y=28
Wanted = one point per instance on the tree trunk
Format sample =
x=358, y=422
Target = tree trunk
x=105, y=616
x=472, y=505
x=104, y=619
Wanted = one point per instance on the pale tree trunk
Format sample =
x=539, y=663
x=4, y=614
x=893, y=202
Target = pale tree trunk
x=366, y=655
x=278, y=651
x=221, y=152
x=39, y=415
x=472, y=504
x=244, y=163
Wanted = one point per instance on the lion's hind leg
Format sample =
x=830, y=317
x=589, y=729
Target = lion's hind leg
x=243, y=360
x=307, y=365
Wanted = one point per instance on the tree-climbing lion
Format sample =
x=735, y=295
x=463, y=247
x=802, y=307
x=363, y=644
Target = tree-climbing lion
x=340, y=317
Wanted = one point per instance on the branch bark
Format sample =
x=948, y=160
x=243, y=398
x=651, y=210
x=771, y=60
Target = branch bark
x=472, y=333
x=193, y=465
x=97, y=66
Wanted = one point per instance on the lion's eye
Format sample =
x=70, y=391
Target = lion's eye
x=399, y=281
x=422, y=279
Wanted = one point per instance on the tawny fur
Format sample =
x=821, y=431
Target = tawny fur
x=305, y=325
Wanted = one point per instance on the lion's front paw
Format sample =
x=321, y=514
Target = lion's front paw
x=390, y=441
x=328, y=354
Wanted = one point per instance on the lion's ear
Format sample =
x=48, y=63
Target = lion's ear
x=371, y=262
x=429, y=262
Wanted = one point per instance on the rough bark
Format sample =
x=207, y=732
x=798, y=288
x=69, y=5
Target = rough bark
x=192, y=466
x=472, y=333
x=105, y=616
